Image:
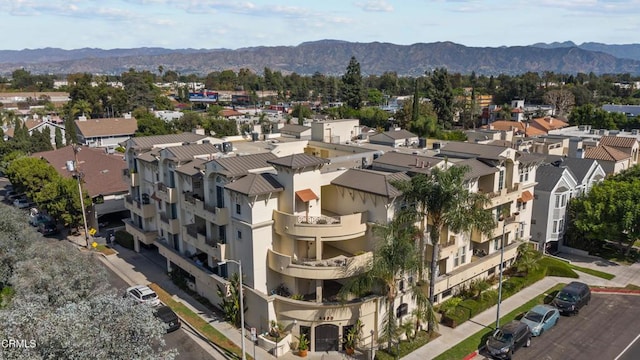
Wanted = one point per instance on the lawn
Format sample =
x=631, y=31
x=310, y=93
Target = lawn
x=600, y=274
x=199, y=324
x=475, y=341
x=105, y=249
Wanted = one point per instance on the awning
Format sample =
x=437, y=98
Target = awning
x=306, y=195
x=526, y=196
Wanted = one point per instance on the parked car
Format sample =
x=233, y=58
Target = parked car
x=509, y=338
x=143, y=294
x=21, y=203
x=10, y=196
x=169, y=317
x=48, y=228
x=572, y=298
x=541, y=318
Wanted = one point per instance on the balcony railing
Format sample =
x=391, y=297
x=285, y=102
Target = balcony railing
x=318, y=220
x=329, y=228
x=337, y=267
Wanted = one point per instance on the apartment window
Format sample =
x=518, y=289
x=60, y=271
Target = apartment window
x=524, y=174
x=561, y=225
x=238, y=209
x=496, y=243
x=564, y=200
x=463, y=255
x=456, y=259
x=501, y=180
x=239, y=234
x=555, y=226
x=557, y=201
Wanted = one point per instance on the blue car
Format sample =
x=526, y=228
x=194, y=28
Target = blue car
x=541, y=318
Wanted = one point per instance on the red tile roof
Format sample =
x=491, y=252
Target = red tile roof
x=618, y=141
x=606, y=153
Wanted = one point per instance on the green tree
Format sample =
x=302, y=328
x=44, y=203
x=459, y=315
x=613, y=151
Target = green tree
x=393, y=257
x=610, y=212
x=230, y=304
x=188, y=121
x=221, y=127
x=301, y=112
x=58, y=134
x=443, y=200
x=441, y=95
x=352, y=87
x=149, y=124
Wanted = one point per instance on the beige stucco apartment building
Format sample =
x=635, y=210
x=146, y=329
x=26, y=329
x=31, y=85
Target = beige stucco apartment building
x=301, y=223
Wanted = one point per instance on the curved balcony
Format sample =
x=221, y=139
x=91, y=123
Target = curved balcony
x=329, y=228
x=308, y=311
x=339, y=267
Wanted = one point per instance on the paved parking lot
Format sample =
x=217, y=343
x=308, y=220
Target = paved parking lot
x=602, y=330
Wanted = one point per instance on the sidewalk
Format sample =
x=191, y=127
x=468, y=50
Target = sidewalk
x=147, y=266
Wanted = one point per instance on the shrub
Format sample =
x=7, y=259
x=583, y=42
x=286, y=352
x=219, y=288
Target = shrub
x=124, y=239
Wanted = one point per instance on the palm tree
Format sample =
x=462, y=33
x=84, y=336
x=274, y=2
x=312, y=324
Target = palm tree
x=394, y=256
x=443, y=199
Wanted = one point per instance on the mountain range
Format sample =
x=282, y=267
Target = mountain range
x=331, y=57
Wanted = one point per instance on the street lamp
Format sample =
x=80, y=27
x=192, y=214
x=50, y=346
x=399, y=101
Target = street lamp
x=239, y=263
x=74, y=168
x=504, y=225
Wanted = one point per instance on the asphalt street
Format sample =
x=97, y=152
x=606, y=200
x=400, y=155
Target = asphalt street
x=180, y=339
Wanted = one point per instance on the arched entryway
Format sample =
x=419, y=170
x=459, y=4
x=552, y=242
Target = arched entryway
x=326, y=338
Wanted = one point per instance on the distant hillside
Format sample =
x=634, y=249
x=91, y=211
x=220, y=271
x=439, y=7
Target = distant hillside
x=626, y=51
x=327, y=57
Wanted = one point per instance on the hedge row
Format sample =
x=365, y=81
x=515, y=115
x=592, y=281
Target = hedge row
x=471, y=307
x=124, y=239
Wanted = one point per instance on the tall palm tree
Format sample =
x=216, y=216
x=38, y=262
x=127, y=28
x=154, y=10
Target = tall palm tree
x=394, y=257
x=443, y=199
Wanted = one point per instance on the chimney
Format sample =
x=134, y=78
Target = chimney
x=416, y=162
x=422, y=164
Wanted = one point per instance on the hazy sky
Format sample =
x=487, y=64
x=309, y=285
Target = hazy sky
x=210, y=24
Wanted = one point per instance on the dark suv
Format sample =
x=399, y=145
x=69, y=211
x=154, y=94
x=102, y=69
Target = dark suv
x=572, y=298
x=509, y=338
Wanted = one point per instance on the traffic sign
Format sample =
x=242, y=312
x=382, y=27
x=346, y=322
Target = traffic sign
x=92, y=231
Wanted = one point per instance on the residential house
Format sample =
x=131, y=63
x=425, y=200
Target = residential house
x=395, y=138
x=556, y=185
x=611, y=159
x=105, y=133
x=628, y=145
x=102, y=178
x=39, y=125
x=535, y=127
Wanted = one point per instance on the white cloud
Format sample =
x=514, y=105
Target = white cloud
x=375, y=6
